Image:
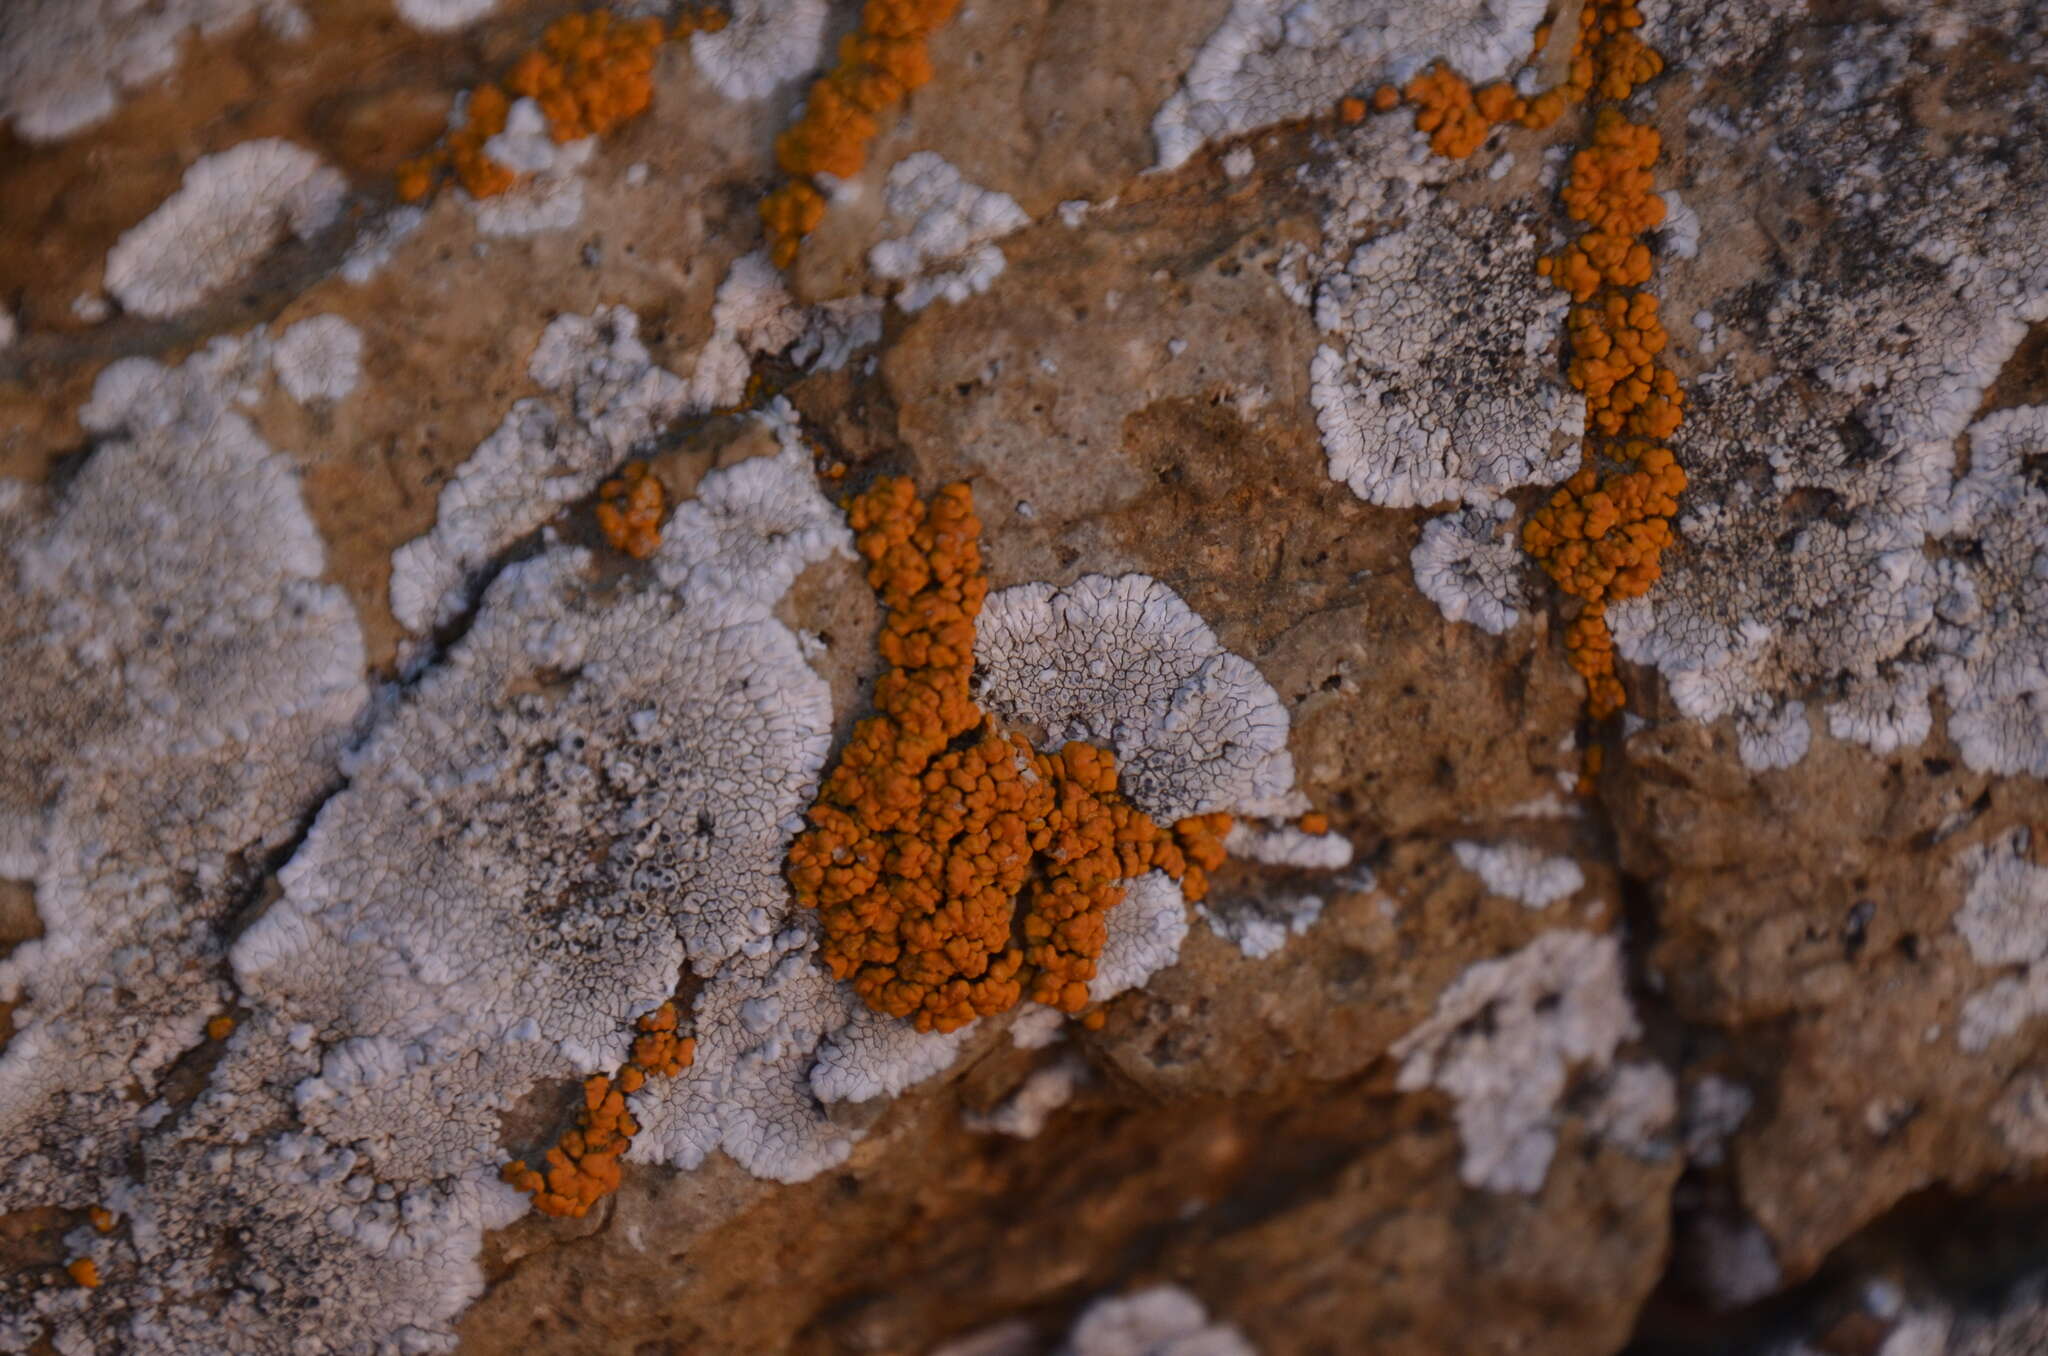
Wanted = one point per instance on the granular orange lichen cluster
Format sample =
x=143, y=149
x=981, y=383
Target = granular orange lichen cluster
x=934, y=827
x=84, y=1272
x=629, y=509
x=589, y=74
x=879, y=64
x=583, y=1168
x=1601, y=536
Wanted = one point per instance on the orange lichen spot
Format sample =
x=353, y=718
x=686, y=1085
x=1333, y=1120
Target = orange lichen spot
x=84, y=1271
x=956, y=869
x=220, y=1028
x=629, y=509
x=1351, y=109
x=1096, y=1020
x=1385, y=99
x=1315, y=822
x=583, y=1167
x=878, y=66
x=102, y=1219
x=590, y=73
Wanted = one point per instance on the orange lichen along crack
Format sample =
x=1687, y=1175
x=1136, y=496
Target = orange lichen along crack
x=878, y=66
x=589, y=74
x=583, y=1167
x=84, y=1272
x=957, y=870
x=629, y=510
x=1601, y=536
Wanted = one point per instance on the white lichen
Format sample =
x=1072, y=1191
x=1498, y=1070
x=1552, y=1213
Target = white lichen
x=319, y=358
x=949, y=227
x=180, y=685
x=1145, y=935
x=1125, y=663
x=66, y=64
x=1025, y=1111
x=2004, y=921
x=1470, y=564
x=442, y=16
x=1438, y=376
x=1276, y=60
x=1287, y=845
x=765, y=45
x=1260, y=927
x=230, y=210
x=548, y=200
x=540, y=458
x=1160, y=1320
x=1520, y=872
x=1863, y=572
x=1503, y=1041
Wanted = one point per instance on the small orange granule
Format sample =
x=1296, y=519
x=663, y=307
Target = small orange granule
x=934, y=825
x=589, y=74
x=220, y=1028
x=879, y=64
x=1350, y=109
x=1315, y=822
x=1589, y=774
x=629, y=509
x=583, y=1168
x=86, y=1272
x=102, y=1218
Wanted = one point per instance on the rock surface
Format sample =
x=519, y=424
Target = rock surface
x=1802, y=892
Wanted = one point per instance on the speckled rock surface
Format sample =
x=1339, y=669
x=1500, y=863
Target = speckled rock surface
x=1720, y=1026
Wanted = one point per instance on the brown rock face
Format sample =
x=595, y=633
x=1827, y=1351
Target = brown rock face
x=1787, y=1135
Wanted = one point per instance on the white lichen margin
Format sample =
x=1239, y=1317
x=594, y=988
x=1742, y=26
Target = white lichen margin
x=1276, y=60
x=1556, y=1004
x=950, y=226
x=232, y=207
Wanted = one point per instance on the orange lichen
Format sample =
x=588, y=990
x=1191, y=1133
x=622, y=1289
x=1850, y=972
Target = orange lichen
x=1600, y=536
x=583, y=1167
x=878, y=65
x=589, y=74
x=957, y=870
x=1315, y=822
x=84, y=1271
x=102, y=1219
x=220, y=1028
x=1351, y=110
x=1589, y=775
x=629, y=509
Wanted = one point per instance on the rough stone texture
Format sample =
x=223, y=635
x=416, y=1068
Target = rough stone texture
x=1133, y=393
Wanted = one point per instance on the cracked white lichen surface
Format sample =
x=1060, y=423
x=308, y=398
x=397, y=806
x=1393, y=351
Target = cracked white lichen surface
x=1125, y=663
x=232, y=207
x=1275, y=60
x=592, y=790
x=541, y=457
x=180, y=684
x=1868, y=568
x=1504, y=1041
